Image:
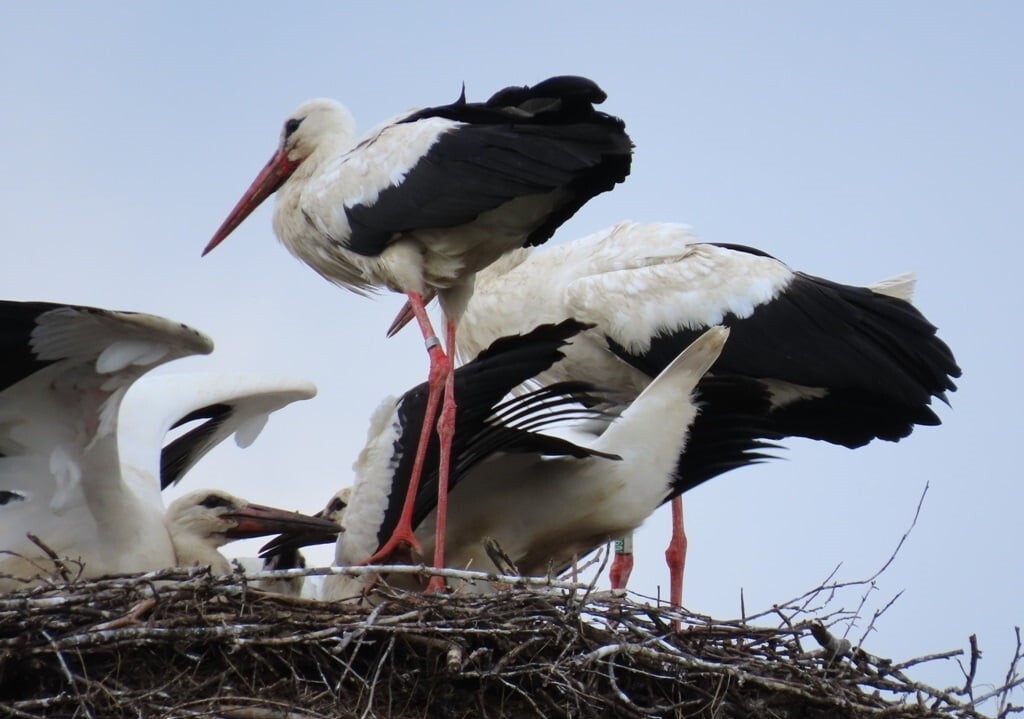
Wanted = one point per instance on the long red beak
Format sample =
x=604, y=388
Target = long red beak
x=266, y=184
x=256, y=520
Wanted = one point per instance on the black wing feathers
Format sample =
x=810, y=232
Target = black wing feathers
x=877, y=358
x=729, y=432
x=480, y=386
x=17, y=322
x=523, y=141
x=482, y=421
x=182, y=453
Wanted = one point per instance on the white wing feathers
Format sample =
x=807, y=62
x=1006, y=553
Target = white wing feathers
x=58, y=414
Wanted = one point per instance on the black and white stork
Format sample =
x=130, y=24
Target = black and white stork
x=807, y=357
x=424, y=201
x=544, y=498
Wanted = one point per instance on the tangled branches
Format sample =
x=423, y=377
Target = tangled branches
x=185, y=644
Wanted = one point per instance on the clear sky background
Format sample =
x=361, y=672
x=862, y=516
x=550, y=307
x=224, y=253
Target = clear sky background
x=853, y=141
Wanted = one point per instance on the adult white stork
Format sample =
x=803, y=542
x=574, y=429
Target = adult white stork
x=63, y=374
x=426, y=200
x=544, y=499
x=807, y=357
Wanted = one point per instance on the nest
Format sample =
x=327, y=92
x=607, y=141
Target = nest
x=186, y=644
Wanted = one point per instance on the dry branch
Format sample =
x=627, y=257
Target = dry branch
x=185, y=644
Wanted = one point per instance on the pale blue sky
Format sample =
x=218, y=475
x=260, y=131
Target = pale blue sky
x=853, y=141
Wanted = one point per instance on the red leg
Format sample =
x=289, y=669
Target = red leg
x=440, y=371
x=622, y=564
x=675, y=555
x=445, y=433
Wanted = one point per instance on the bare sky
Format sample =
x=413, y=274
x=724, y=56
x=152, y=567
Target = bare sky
x=853, y=141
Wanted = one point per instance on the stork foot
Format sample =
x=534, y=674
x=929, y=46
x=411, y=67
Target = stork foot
x=402, y=545
x=436, y=585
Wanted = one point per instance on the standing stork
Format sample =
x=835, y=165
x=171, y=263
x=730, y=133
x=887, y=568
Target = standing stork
x=423, y=202
x=807, y=357
x=64, y=373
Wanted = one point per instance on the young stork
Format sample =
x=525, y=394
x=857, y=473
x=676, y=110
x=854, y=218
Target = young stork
x=63, y=478
x=807, y=357
x=203, y=521
x=282, y=552
x=424, y=201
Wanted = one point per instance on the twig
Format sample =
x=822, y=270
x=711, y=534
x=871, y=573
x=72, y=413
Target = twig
x=132, y=617
x=57, y=561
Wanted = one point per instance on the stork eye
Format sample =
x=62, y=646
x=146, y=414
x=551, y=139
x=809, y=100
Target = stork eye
x=337, y=504
x=212, y=501
x=291, y=126
x=7, y=496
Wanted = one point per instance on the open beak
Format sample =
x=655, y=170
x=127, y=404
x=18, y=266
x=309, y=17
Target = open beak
x=255, y=520
x=279, y=169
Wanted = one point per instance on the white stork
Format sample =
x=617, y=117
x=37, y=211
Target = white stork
x=426, y=200
x=543, y=498
x=807, y=357
x=63, y=478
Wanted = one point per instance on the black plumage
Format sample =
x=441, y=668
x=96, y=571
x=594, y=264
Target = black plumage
x=523, y=141
x=876, y=358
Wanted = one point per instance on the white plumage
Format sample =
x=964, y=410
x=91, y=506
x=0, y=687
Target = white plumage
x=215, y=406
x=66, y=373
x=81, y=466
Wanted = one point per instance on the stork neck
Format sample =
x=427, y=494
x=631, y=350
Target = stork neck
x=192, y=550
x=109, y=500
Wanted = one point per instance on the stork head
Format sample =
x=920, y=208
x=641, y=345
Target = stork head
x=315, y=124
x=335, y=509
x=215, y=518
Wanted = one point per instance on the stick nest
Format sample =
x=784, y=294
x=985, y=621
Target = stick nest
x=185, y=644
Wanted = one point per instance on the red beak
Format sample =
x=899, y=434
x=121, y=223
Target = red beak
x=256, y=520
x=279, y=169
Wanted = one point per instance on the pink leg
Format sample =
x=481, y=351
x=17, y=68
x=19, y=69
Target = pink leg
x=622, y=564
x=445, y=433
x=440, y=371
x=675, y=555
